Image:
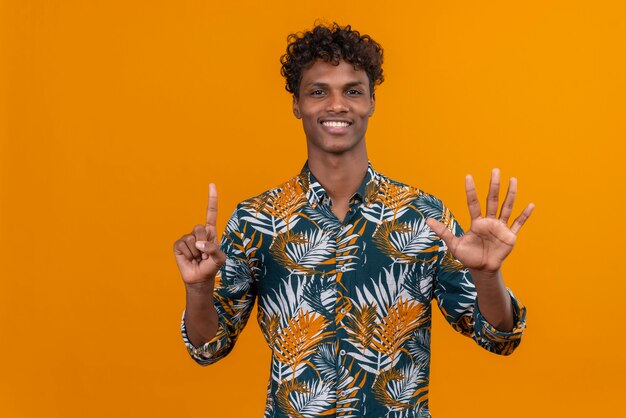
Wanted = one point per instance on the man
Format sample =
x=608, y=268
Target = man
x=344, y=261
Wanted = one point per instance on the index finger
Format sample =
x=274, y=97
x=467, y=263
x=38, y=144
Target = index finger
x=472, y=199
x=211, y=211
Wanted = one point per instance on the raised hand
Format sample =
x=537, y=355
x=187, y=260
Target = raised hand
x=198, y=254
x=489, y=240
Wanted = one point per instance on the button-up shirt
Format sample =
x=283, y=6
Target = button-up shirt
x=345, y=306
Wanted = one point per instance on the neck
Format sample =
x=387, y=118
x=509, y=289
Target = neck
x=340, y=175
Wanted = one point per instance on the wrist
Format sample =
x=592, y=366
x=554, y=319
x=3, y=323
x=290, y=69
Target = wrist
x=203, y=288
x=484, y=276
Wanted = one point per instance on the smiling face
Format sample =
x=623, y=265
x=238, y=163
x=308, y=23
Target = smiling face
x=334, y=104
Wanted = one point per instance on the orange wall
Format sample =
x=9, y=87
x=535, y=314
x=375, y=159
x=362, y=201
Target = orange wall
x=116, y=115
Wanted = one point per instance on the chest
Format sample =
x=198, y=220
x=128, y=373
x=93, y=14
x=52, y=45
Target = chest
x=323, y=261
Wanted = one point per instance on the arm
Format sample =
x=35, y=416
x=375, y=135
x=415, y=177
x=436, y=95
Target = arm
x=493, y=299
x=482, y=251
x=219, y=294
x=200, y=317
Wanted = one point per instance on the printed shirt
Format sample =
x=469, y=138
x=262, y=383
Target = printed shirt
x=345, y=306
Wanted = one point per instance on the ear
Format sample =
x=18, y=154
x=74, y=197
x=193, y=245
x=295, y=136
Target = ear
x=296, y=107
x=372, y=104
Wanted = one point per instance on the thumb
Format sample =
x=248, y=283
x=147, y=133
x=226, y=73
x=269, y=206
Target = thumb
x=442, y=232
x=201, y=245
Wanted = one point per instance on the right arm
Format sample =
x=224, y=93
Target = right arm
x=201, y=319
x=217, y=309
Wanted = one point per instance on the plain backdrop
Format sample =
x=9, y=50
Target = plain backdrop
x=116, y=115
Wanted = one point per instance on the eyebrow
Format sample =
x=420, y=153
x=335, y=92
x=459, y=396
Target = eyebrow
x=350, y=84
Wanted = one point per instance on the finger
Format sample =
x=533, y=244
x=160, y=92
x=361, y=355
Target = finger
x=472, y=199
x=181, y=251
x=519, y=222
x=211, y=234
x=507, y=205
x=444, y=233
x=199, y=232
x=213, y=251
x=211, y=211
x=190, y=240
x=493, y=195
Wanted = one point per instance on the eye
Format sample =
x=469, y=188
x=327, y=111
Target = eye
x=354, y=92
x=317, y=92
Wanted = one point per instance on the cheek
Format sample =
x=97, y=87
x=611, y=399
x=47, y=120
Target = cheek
x=364, y=111
x=309, y=123
x=365, y=117
x=308, y=119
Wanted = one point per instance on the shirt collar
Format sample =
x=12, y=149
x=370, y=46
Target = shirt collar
x=316, y=194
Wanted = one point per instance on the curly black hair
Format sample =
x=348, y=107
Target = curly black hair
x=331, y=43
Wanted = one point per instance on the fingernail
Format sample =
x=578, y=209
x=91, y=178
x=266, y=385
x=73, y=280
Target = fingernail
x=200, y=245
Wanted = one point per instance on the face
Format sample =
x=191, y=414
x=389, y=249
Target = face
x=335, y=104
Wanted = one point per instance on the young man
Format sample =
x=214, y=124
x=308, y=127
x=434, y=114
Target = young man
x=344, y=261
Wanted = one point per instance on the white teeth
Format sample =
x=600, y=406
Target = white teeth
x=335, y=123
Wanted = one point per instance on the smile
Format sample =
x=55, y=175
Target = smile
x=336, y=124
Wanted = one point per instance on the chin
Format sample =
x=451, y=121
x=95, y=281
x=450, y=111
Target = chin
x=338, y=148
x=335, y=145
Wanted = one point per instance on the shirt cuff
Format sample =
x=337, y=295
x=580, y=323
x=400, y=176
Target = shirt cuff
x=209, y=352
x=488, y=332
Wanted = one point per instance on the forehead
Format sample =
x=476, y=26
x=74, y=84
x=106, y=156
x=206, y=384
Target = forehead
x=325, y=72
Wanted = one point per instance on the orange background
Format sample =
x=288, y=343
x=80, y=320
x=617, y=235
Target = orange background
x=116, y=115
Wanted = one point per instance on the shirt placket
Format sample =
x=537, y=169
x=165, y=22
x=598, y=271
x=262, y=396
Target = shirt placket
x=345, y=281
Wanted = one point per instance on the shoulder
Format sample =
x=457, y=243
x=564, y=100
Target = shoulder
x=414, y=202
x=391, y=189
x=271, y=212
x=289, y=190
x=274, y=205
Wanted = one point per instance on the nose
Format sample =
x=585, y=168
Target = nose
x=336, y=104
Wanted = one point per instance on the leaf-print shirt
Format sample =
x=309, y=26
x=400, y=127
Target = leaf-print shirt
x=345, y=306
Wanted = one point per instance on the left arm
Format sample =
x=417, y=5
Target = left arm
x=485, y=246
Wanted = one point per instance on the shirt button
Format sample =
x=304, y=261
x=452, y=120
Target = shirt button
x=342, y=268
x=343, y=311
x=367, y=200
x=342, y=353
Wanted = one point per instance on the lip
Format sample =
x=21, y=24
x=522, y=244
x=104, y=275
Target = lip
x=336, y=130
x=336, y=120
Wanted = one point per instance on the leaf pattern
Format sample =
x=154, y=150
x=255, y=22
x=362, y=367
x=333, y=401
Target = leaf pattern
x=300, y=338
x=396, y=327
x=319, y=294
x=419, y=347
x=360, y=326
x=398, y=389
x=406, y=242
x=303, y=400
x=345, y=306
x=301, y=252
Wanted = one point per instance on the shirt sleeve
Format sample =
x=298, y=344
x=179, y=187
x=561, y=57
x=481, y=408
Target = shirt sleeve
x=234, y=295
x=456, y=297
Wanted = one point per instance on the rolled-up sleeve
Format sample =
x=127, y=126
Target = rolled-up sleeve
x=234, y=296
x=494, y=340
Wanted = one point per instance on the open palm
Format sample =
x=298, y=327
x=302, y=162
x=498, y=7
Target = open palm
x=489, y=240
